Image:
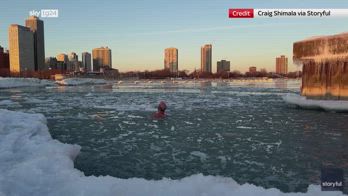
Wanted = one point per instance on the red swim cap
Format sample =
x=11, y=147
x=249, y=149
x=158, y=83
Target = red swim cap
x=162, y=106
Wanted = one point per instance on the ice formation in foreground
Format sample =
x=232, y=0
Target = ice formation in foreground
x=303, y=102
x=32, y=163
x=80, y=81
x=23, y=82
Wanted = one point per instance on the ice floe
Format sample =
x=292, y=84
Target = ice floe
x=303, y=102
x=32, y=163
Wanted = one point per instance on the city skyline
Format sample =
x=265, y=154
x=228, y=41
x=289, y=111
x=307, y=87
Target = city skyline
x=144, y=33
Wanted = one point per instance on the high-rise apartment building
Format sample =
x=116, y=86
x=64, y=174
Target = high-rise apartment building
x=21, y=45
x=223, y=66
x=282, y=65
x=73, y=64
x=86, y=61
x=206, y=58
x=101, y=58
x=37, y=27
x=171, y=59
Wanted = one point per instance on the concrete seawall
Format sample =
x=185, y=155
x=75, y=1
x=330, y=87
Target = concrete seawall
x=325, y=66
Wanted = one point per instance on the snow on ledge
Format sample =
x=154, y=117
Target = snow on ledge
x=328, y=105
x=32, y=163
x=80, y=81
x=23, y=82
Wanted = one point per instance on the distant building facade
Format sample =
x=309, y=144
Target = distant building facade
x=73, y=64
x=73, y=56
x=223, y=66
x=21, y=45
x=206, y=58
x=51, y=63
x=282, y=65
x=87, y=61
x=37, y=27
x=4, y=59
x=252, y=70
x=62, y=58
x=171, y=60
x=263, y=70
x=79, y=67
x=101, y=58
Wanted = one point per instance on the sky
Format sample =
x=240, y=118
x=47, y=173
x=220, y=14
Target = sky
x=138, y=31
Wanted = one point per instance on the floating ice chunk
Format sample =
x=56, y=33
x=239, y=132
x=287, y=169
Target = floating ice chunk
x=201, y=155
x=243, y=127
x=303, y=102
x=129, y=122
x=134, y=116
x=32, y=163
x=23, y=82
x=80, y=81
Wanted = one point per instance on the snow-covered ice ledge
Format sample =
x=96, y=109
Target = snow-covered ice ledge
x=32, y=163
x=34, y=82
x=80, y=81
x=303, y=102
x=23, y=82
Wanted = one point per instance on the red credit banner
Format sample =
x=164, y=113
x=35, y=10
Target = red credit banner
x=241, y=13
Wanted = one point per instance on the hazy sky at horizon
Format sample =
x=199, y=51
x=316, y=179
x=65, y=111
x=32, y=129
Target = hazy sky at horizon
x=138, y=31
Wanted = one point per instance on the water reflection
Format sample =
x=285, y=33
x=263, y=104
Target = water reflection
x=281, y=84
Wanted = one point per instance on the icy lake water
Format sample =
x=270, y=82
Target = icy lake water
x=242, y=130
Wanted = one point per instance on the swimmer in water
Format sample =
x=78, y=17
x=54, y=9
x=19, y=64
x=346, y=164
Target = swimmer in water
x=160, y=110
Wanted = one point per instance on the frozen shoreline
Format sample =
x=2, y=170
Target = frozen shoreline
x=35, y=164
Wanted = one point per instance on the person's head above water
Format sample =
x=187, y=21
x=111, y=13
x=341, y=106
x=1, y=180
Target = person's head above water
x=162, y=106
x=160, y=114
